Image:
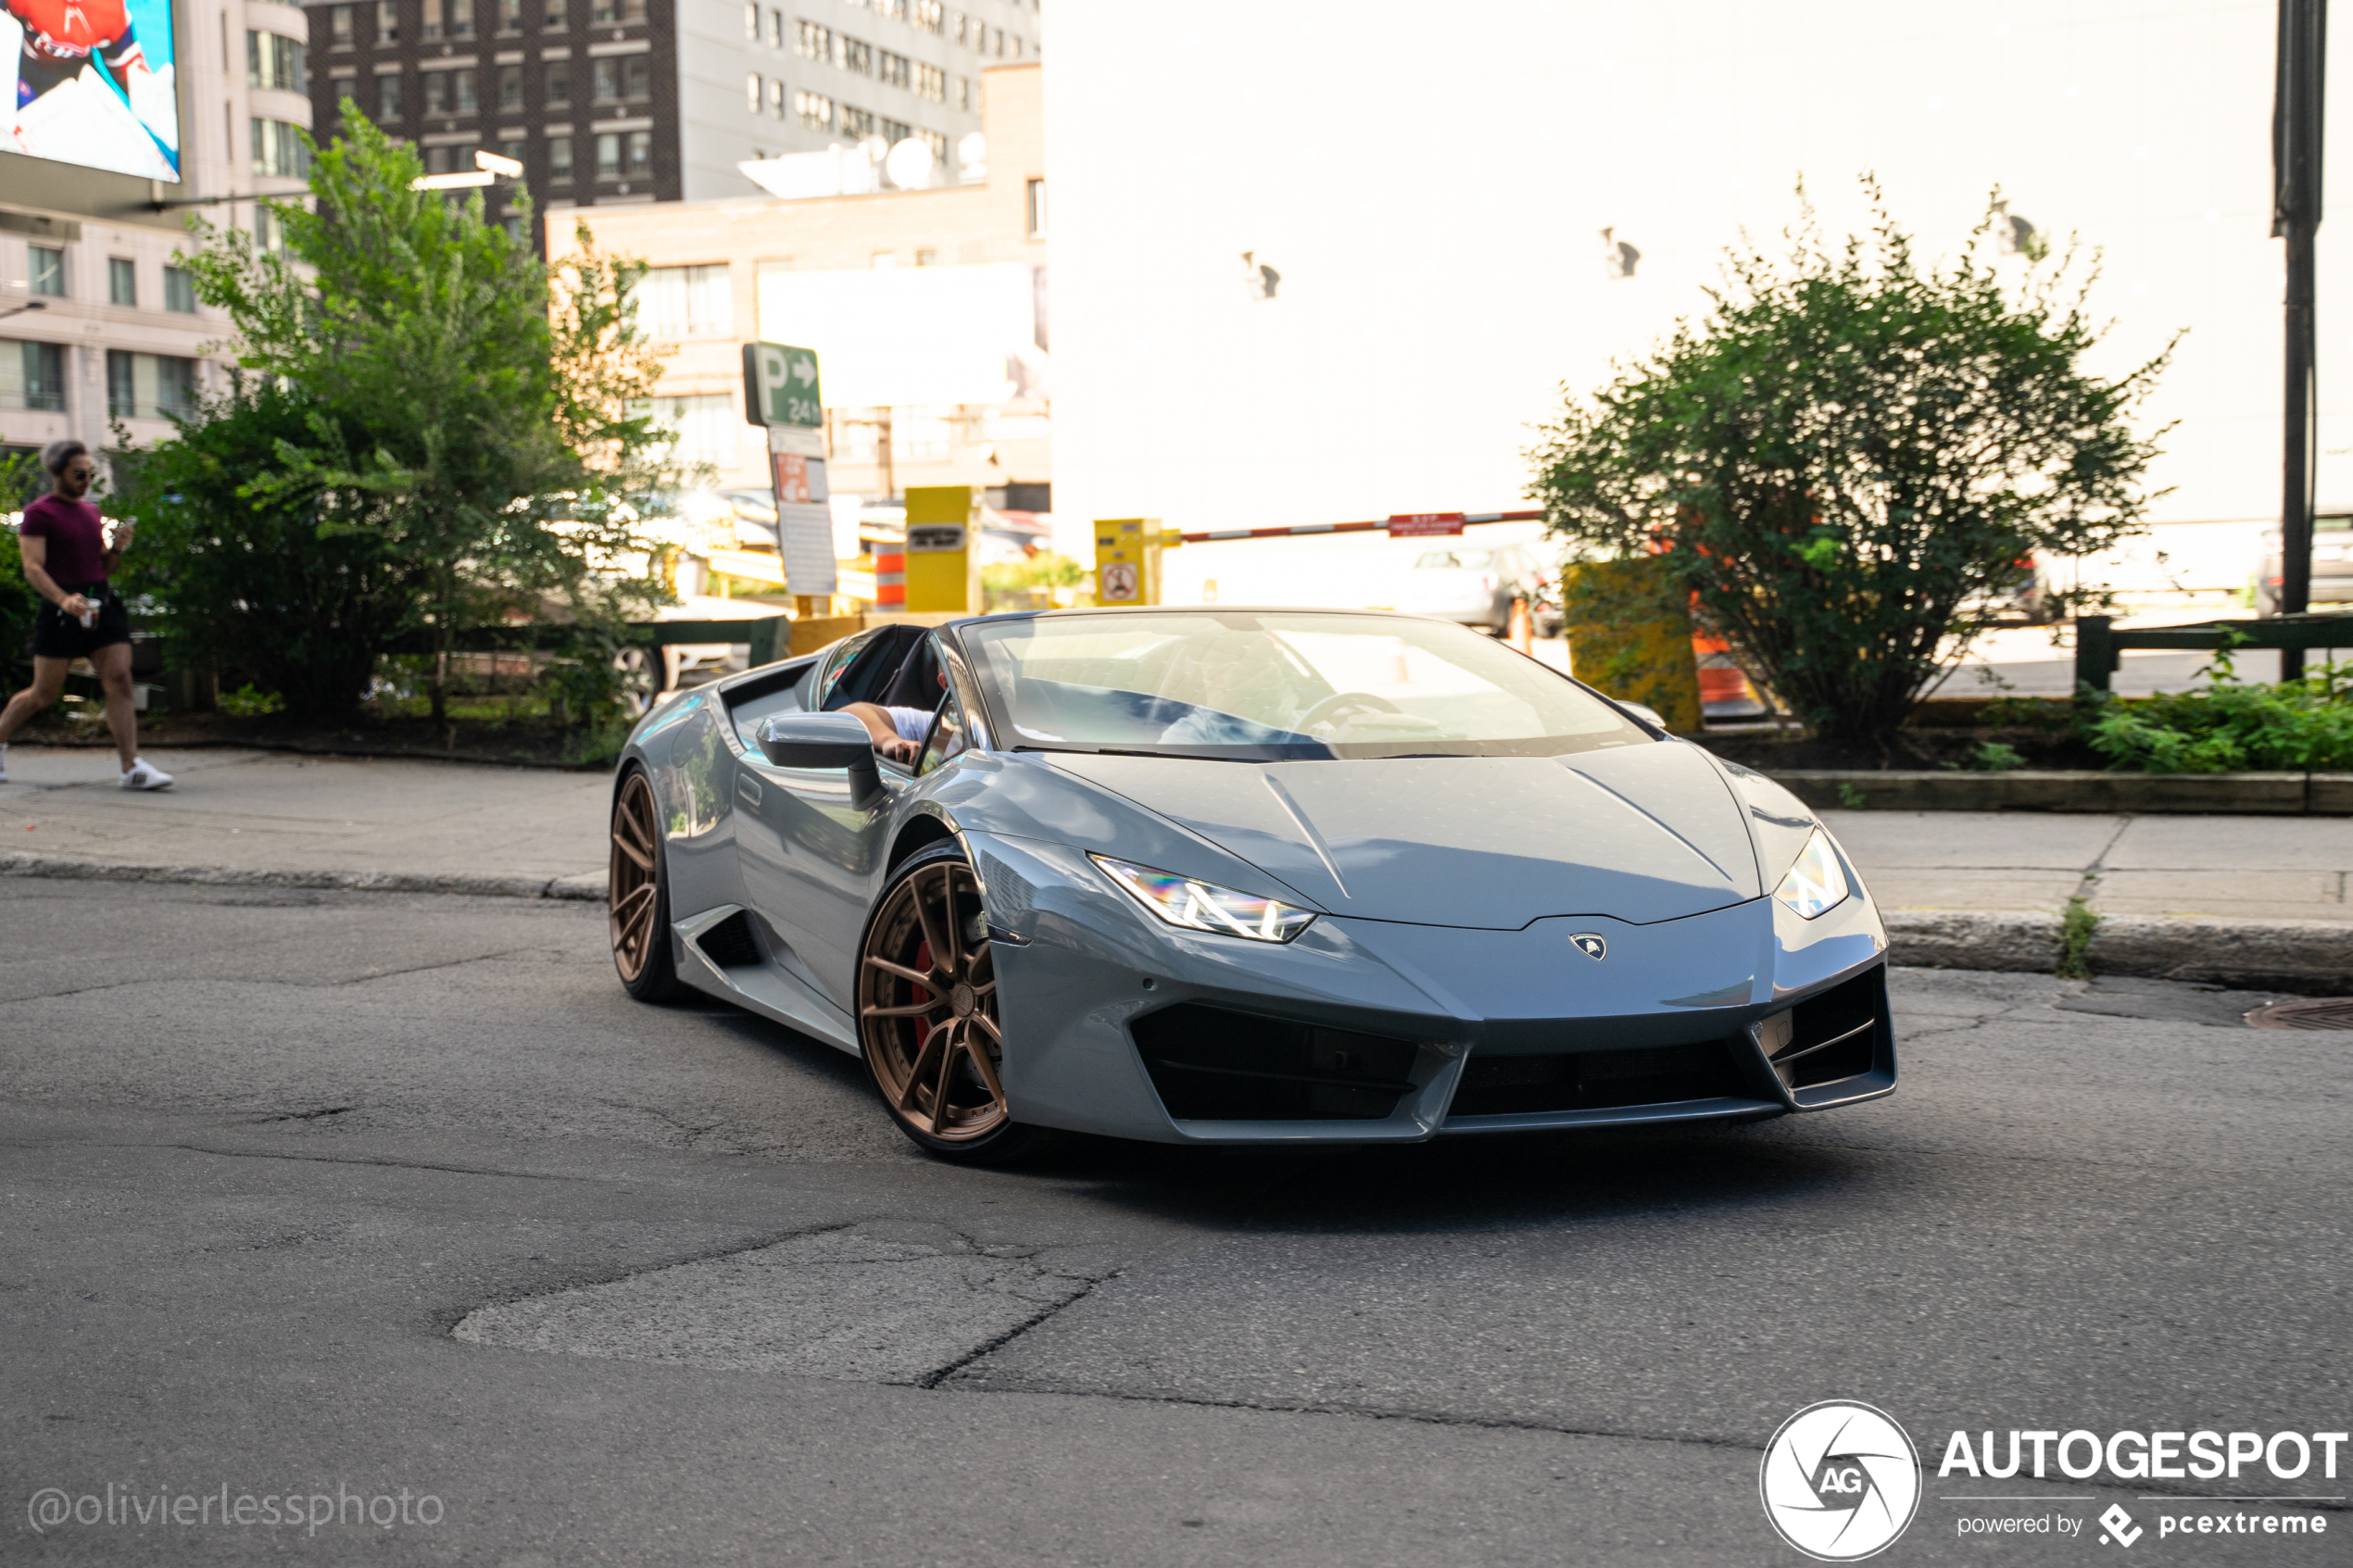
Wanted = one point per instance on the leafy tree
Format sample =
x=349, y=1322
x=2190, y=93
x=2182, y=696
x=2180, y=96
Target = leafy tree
x=20, y=481
x=1848, y=453
x=485, y=453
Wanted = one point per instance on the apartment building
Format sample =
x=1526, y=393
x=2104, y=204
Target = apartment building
x=926, y=307
x=617, y=102
x=99, y=321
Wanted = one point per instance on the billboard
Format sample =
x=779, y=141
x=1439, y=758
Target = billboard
x=92, y=82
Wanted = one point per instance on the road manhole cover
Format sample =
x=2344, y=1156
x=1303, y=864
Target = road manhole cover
x=2321, y=1012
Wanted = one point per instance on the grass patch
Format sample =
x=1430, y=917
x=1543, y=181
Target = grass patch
x=2075, y=940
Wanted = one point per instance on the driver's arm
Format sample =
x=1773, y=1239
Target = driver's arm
x=879, y=724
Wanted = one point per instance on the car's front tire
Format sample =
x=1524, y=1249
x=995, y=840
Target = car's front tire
x=638, y=894
x=927, y=1014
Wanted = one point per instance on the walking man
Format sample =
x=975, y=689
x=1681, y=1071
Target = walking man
x=67, y=560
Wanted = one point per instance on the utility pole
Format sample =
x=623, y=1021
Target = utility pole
x=2298, y=94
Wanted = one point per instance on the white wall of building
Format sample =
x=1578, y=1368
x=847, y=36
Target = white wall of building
x=1430, y=184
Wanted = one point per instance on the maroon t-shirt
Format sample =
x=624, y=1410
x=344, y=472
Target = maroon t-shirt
x=77, y=540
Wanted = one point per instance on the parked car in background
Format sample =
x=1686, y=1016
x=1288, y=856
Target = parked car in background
x=2332, y=562
x=1474, y=587
x=2020, y=598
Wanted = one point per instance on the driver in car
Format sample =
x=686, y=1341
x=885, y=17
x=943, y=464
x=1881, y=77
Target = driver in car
x=1239, y=671
x=897, y=731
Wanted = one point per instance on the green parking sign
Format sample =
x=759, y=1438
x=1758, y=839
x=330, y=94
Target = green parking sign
x=780, y=386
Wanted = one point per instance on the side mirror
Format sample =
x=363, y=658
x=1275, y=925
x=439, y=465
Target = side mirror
x=1643, y=711
x=815, y=740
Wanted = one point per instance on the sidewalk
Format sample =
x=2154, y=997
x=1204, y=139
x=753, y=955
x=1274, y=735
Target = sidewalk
x=266, y=816
x=2191, y=896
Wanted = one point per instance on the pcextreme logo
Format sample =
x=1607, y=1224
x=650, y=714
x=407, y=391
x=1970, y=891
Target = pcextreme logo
x=1840, y=1481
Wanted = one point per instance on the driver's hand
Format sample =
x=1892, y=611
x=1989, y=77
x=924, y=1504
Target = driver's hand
x=900, y=749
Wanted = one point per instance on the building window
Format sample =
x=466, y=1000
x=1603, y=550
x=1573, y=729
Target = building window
x=179, y=290
x=512, y=145
x=927, y=258
x=813, y=110
x=559, y=159
x=451, y=158
x=509, y=89
x=450, y=91
x=449, y=19
x=963, y=92
x=388, y=95
x=708, y=428
x=930, y=15
x=857, y=125
x=123, y=281
x=675, y=303
x=811, y=41
x=32, y=376
x=431, y=29
x=895, y=9
x=856, y=56
x=387, y=22
x=640, y=154
x=776, y=99
x=149, y=387
x=1036, y=209
x=931, y=83
x=752, y=98
x=279, y=149
x=938, y=141
x=48, y=267
x=339, y=25
x=608, y=156
x=606, y=12
x=630, y=76
x=751, y=24
x=272, y=60
x=509, y=16
x=896, y=131
x=268, y=234
x=558, y=17
x=558, y=75
x=776, y=30
x=894, y=70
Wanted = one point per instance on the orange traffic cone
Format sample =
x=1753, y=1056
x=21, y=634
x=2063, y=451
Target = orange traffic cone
x=1520, y=634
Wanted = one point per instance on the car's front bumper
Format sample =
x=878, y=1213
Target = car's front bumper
x=1671, y=1016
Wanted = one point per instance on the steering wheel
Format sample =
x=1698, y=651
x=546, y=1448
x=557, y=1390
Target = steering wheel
x=1338, y=703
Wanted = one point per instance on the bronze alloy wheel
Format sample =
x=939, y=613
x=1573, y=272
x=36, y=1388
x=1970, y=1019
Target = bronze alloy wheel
x=635, y=901
x=928, y=1007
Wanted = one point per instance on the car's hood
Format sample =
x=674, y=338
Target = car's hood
x=1643, y=832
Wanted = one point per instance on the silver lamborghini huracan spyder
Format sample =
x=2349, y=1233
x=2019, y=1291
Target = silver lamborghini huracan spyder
x=1227, y=875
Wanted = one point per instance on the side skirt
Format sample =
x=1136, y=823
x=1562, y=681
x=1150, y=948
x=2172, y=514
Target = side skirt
x=760, y=987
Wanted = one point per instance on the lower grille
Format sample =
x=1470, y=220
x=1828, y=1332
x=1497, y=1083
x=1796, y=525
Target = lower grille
x=1828, y=1037
x=1520, y=1086
x=1210, y=1064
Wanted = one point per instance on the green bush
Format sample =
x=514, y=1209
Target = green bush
x=20, y=479
x=1843, y=463
x=2228, y=726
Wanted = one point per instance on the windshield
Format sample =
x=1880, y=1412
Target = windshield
x=1442, y=558
x=1278, y=685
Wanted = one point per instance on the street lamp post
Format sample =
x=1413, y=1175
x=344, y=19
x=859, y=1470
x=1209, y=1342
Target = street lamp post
x=2296, y=212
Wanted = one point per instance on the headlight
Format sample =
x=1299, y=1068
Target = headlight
x=1197, y=906
x=1818, y=883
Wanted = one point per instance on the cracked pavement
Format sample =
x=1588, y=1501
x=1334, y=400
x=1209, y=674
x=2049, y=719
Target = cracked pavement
x=309, y=1191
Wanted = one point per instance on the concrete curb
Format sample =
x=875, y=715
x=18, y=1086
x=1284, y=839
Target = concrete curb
x=2314, y=956
x=2311, y=957
x=2251, y=795
x=589, y=888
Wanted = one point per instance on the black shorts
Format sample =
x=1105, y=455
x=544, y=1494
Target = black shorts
x=57, y=634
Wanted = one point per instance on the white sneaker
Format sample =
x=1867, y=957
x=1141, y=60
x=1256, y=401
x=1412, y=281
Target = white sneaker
x=144, y=775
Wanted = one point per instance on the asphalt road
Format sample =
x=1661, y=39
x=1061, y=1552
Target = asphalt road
x=345, y=1196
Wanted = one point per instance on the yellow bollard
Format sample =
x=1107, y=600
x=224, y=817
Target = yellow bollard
x=1519, y=633
x=1630, y=638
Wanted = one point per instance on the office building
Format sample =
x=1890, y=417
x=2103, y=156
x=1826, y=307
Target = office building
x=98, y=319
x=614, y=102
x=926, y=307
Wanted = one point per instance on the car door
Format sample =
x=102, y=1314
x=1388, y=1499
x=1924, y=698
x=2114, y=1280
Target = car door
x=820, y=848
